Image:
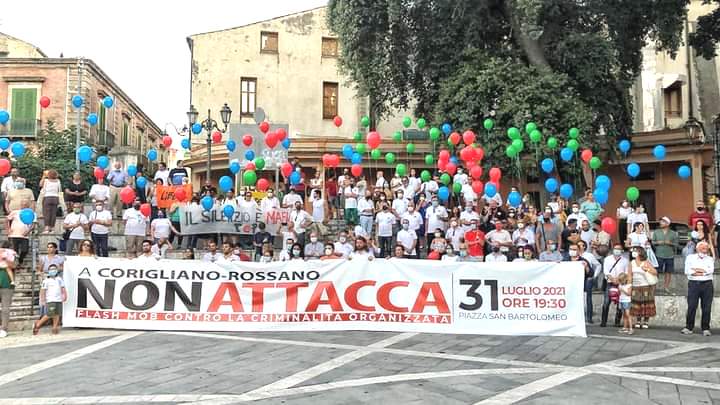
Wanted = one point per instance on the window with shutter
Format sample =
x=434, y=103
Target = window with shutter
x=330, y=100
x=269, y=42
x=23, y=112
x=329, y=47
x=126, y=133
x=102, y=136
x=248, y=87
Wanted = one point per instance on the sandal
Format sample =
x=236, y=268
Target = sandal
x=630, y=332
x=36, y=330
x=637, y=326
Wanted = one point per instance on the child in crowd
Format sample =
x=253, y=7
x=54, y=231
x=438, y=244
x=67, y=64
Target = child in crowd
x=267, y=256
x=52, y=295
x=625, y=300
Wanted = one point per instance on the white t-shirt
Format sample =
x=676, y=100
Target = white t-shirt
x=297, y=218
x=414, y=183
x=8, y=184
x=638, y=239
x=614, y=270
x=103, y=215
x=526, y=234
x=343, y=248
x=267, y=203
x=159, y=251
x=634, y=218
x=135, y=222
x=406, y=239
x=498, y=237
x=162, y=174
x=448, y=258
x=99, y=192
x=454, y=234
x=385, y=221
x=350, y=194
x=468, y=217
x=433, y=216
x=381, y=183
x=400, y=205
x=430, y=187
x=493, y=258
x=53, y=289
x=580, y=217
x=290, y=199
x=497, y=198
x=409, y=191
x=365, y=207
x=162, y=227
x=468, y=193
x=414, y=219
x=318, y=210
x=623, y=212
x=461, y=178
x=212, y=257
x=78, y=233
x=51, y=188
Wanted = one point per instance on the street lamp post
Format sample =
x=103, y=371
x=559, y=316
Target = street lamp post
x=209, y=125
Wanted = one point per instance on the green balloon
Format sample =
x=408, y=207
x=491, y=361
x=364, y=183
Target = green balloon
x=421, y=123
x=513, y=133
x=434, y=133
x=429, y=159
x=595, y=163
x=410, y=148
x=632, y=193
x=510, y=151
x=375, y=154
x=529, y=127
x=518, y=144
x=552, y=143
x=445, y=179
x=390, y=158
x=450, y=144
x=361, y=148
x=535, y=136
x=407, y=121
x=365, y=121
x=397, y=136
x=425, y=176
x=259, y=163
x=400, y=169
x=573, y=145
x=358, y=136
x=573, y=133
x=457, y=188
x=488, y=124
x=249, y=177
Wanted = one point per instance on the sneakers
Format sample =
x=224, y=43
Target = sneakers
x=3, y=333
x=686, y=331
x=706, y=332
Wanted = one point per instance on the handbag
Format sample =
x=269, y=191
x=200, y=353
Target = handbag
x=614, y=293
x=651, y=278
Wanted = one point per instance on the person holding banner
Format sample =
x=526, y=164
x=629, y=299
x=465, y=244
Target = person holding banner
x=178, y=174
x=575, y=255
x=135, y=229
x=162, y=173
x=342, y=246
x=330, y=253
x=407, y=240
x=314, y=249
x=362, y=251
x=212, y=255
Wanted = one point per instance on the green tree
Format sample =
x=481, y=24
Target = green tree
x=707, y=34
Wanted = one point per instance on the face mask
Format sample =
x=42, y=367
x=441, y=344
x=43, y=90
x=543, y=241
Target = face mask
x=328, y=252
x=411, y=209
x=52, y=273
x=437, y=235
x=528, y=257
x=400, y=195
x=552, y=247
x=76, y=210
x=296, y=252
x=448, y=251
x=19, y=185
x=468, y=209
x=382, y=197
x=575, y=210
x=313, y=240
x=634, y=255
x=521, y=226
x=406, y=226
x=343, y=239
x=573, y=253
x=270, y=195
x=160, y=215
x=99, y=208
x=463, y=253
x=435, y=203
x=641, y=210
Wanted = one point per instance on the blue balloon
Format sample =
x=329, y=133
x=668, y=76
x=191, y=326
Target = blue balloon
x=602, y=182
x=514, y=198
x=446, y=128
x=295, y=178
x=624, y=146
x=347, y=151
x=141, y=182
x=454, y=160
x=78, y=101
x=356, y=158
x=18, y=149
x=633, y=169
x=84, y=153
x=27, y=216
x=4, y=117
x=566, y=191
x=601, y=196
x=108, y=102
x=684, y=171
x=286, y=143
x=225, y=183
x=490, y=190
x=551, y=185
x=443, y=193
x=566, y=154
x=207, y=202
x=4, y=143
x=103, y=162
x=249, y=154
x=234, y=167
x=152, y=155
x=231, y=145
x=547, y=165
x=92, y=119
x=228, y=211
x=196, y=128
x=132, y=170
x=185, y=143
x=659, y=152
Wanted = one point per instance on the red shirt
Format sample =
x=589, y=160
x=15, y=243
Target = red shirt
x=701, y=216
x=331, y=188
x=475, y=249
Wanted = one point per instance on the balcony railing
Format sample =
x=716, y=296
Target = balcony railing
x=21, y=128
x=106, y=138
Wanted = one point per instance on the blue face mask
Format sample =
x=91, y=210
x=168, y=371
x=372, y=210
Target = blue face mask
x=52, y=273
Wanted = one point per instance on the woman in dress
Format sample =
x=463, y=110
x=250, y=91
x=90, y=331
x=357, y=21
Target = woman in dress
x=52, y=257
x=701, y=233
x=643, y=288
x=50, y=189
x=638, y=238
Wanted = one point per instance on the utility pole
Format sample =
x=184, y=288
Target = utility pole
x=81, y=64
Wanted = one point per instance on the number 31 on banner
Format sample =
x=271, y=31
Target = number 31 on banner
x=475, y=301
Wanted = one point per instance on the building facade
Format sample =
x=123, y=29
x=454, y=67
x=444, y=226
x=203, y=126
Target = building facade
x=124, y=131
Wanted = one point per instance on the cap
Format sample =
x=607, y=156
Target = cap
x=666, y=219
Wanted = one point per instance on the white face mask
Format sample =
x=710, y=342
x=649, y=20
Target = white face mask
x=342, y=239
x=98, y=208
x=634, y=254
x=617, y=252
x=572, y=253
x=313, y=239
x=575, y=210
x=521, y=225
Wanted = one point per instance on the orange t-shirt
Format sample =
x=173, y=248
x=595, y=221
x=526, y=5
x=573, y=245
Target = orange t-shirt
x=475, y=249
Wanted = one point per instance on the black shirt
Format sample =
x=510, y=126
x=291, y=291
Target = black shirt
x=77, y=188
x=258, y=239
x=176, y=175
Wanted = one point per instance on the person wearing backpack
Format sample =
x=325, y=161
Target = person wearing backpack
x=613, y=266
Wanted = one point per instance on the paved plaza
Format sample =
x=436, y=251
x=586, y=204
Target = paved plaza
x=97, y=366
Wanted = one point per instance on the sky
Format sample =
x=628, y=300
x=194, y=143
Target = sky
x=140, y=44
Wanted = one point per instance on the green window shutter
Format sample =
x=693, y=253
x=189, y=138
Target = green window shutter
x=102, y=137
x=125, y=134
x=23, y=111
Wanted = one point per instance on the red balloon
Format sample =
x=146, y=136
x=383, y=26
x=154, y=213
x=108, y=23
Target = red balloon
x=247, y=140
x=373, y=140
x=262, y=184
x=180, y=194
x=127, y=195
x=4, y=167
x=468, y=137
x=451, y=168
x=479, y=153
x=99, y=173
x=264, y=127
x=455, y=138
x=281, y=134
x=444, y=155
x=44, y=101
x=145, y=209
x=495, y=175
x=326, y=159
x=216, y=137
x=476, y=172
x=286, y=169
x=356, y=170
x=586, y=155
x=167, y=140
x=477, y=186
x=608, y=225
x=335, y=160
x=250, y=166
x=271, y=139
x=442, y=164
x=337, y=121
x=467, y=154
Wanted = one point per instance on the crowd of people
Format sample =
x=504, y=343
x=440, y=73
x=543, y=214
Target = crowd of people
x=398, y=217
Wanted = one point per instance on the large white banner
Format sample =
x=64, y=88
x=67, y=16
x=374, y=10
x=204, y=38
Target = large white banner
x=385, y=295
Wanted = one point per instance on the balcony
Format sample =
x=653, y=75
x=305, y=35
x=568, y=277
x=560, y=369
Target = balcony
x=21, y=128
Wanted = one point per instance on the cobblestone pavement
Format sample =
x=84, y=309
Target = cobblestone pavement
x=656, y=366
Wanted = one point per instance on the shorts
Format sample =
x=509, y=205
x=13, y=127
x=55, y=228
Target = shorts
x=54, y=309
x=625, y=306
x=665, y=265
x=133, y=244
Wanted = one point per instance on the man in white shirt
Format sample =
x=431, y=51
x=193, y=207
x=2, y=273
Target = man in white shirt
x=460, y=177
x=380, y=182
x=365, y=211
x=408, y=190
x=212, y=255
x=500, y=237
x=613, y=266
x=342, y=246
x=587, y=234
x=414, y=183
x=290, y=199
x=408, y=239
x=385, y=221
x=269, y=202
x=468, y=194
x=75, y=222
x=135, y=229
x=467, y=216
x=351, y=194
x=8, y=184
x=495, y=256
x=146, y=252
x=301, y=220
x=430, y=187
x=497, y=198
x=228, y=254
x=399, y=205
x=579, y=216
x=699, y=268
x=436, y=217
x=162, y=173
x=100, y=222
x=247, y=206
x=454, y=233
x=99, y=192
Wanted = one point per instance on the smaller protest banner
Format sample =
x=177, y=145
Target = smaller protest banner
x=166, y=194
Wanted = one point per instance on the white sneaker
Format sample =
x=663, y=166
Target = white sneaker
x=3, y=333
x=706, y=332
x=686, y=331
